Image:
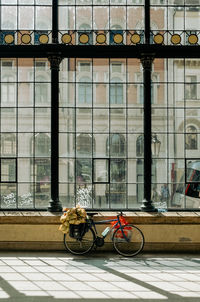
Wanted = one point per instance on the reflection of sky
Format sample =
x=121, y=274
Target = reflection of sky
x=99, y=277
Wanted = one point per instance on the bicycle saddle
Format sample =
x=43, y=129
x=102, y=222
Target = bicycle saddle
x=91, y=214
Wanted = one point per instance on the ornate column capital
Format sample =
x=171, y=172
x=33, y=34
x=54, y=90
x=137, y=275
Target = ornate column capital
x=55, y=61
x=147, y=60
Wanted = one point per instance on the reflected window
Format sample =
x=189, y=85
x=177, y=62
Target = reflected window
x=116, y=91
x=83, y=171
x=85, y=91
x=191, y=87
x=8, y=144
x=8, y=170
x=42, y=165
x=191, y=138
x=42, y=174
x=116, y=145
x=84, y=144
x=8, y=91
x=41, y=91
x=117, y=170
x=42, y=144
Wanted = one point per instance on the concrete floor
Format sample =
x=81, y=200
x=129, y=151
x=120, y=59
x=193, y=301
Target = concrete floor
x=58, y=276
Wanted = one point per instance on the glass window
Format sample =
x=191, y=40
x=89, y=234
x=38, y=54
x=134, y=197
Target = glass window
x=116, y=92
x=116, y=146
x=85, y=91
x=191, y=87
x=191, y=138
x=8, y=144
x=42, y=144
x=8, y=170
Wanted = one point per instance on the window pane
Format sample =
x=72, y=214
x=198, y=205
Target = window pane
x=8, y=170
x=101, y=170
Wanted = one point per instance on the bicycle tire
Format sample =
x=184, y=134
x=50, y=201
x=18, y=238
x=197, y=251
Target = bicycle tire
x=133, y=246
x=80, y=247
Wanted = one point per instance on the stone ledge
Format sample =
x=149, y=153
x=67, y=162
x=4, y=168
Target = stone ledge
x=16, y=217
x=59, y=246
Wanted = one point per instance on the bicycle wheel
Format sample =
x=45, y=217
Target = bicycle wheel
x=80, y=247
x=134, y=243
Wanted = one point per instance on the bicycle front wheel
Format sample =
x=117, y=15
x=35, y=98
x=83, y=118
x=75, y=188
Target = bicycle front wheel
x=80, y=247
x=131, y=244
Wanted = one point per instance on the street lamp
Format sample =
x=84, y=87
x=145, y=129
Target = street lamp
x=155, y=145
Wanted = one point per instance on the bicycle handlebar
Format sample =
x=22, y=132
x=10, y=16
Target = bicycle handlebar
x=120, y=214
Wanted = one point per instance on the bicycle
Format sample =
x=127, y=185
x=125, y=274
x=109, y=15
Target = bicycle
x=128, y=240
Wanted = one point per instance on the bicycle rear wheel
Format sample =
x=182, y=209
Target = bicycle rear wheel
x=134, y=243
x=80, y=247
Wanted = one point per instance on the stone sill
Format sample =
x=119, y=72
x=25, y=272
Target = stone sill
x=16, y=217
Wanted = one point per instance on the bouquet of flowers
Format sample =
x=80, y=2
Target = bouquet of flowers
x=74, y=215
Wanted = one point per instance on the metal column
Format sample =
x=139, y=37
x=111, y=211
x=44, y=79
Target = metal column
x=55, y=60
x=146, y=60
x=147, y=65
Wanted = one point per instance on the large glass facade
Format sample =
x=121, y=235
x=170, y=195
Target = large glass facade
x=101, y=106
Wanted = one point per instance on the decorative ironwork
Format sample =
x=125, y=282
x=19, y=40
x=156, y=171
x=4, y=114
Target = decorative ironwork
x=66, y=38
x=176, y=39
x=9, y=39
x=147, y=60
x=109, y=37
x=55, y=61
x=26, y=38
x=101, y=38
x=158, y=39
x=44, y=39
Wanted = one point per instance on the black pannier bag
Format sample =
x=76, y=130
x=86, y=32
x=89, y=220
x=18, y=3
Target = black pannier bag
x=77, y=231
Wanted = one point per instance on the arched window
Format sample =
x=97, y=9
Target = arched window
x=85, y=91
x=116, y=145
x=116, y=91
x=191, y=138
x=42, y=144
x=84, y=144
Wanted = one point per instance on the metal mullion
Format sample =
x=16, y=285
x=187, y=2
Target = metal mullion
x=55, y=21
x=167, y=133
x=34, y=20
x=0, y=121
x=17, y=130
x=126, y=112
x=34, y=135
x=184, y=123
x=147, y=21
x=109, y=109
x=75, y=95
x=92, y=125
x=76, y=36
